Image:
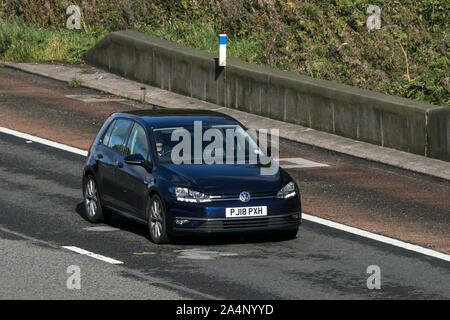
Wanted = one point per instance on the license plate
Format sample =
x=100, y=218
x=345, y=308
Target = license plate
x=246, y=212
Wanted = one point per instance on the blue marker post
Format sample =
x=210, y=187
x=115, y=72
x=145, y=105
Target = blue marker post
x=222, y=50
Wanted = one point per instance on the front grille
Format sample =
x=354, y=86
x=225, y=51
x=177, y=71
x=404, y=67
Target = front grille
x=226, y=224
x=254, y=195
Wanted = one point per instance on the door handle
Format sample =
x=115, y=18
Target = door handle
x=119, y=164
x=99, y=156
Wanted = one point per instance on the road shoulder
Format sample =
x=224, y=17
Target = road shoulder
x=107, y=82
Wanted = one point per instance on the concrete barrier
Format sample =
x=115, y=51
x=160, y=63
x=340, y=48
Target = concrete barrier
x=389, y=121
x=438, y=133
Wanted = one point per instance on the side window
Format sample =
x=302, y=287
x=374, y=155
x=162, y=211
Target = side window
x=107, y=135
x=137, y=142
x=119, y=134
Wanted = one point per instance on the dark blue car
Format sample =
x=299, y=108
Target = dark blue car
x=137, y=169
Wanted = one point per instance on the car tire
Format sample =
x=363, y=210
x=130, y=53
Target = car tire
x=156, y=218
x=92, y=205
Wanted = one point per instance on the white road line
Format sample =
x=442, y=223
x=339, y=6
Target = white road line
x=377, y=237
x=46, y=142
x=93, y=255
x=308, y=217
x=300, y=163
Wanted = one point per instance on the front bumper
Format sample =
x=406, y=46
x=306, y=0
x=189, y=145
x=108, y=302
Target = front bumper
x=210, y=217
x=290, y=221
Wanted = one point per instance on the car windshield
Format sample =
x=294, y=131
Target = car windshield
x=209, y=144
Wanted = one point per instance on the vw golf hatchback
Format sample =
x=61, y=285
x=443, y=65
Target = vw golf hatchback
x=139, y=167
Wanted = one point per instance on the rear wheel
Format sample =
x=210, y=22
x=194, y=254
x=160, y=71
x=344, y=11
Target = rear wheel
x=92, y=205
x=156, y=215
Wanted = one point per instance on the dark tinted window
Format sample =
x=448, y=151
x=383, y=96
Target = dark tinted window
x=241, y=147
x=107, y=135
x=119, y=134
x=137, y=142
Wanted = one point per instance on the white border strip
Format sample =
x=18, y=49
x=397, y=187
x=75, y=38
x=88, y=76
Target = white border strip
x=377, y=237
x=305, y=216
x=43, y=141
x=93, y=255
x=300, y=163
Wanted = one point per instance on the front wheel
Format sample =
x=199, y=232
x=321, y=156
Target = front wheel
x=156, y=214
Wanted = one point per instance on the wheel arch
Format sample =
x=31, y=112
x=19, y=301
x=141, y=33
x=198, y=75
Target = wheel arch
x=151, y=192
x=88, y=172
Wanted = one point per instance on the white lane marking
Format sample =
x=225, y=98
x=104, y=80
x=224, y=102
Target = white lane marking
x=329, y=223
x=377, y=237
x=46, y=142
x=92, y=255
x=300, y=163
x=101, y=229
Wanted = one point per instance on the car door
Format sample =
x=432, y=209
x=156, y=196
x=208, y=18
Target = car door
x=112, y=160
x=105, y=165
x=134, y=178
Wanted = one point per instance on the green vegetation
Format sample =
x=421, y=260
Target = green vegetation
x=75, y=82
x=327, y=39
x=21, y=42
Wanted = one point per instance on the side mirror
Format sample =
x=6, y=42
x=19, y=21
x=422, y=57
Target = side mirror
x=135, y=159
x=138, y=160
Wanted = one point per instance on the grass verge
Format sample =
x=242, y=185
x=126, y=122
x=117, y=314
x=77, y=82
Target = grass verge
x=327, y=39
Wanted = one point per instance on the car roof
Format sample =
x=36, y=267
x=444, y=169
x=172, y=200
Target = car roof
x=160, y=118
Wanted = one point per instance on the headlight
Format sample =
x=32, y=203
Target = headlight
x=287, y=191
x=188, y=195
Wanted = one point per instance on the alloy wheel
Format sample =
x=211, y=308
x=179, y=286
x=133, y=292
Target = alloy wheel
x=91, y=198
x=156, y=220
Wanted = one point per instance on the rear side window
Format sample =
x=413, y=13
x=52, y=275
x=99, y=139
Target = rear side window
x=137, y=142
x=107, y=135
x=119, y=134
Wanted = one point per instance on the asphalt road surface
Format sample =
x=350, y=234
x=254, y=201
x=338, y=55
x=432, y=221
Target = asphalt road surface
x=41, y=212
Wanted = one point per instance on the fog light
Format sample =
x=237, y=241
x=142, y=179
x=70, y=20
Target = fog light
x=180, y=222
